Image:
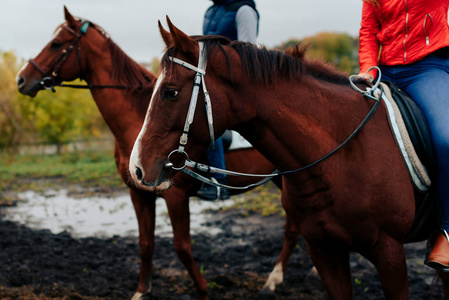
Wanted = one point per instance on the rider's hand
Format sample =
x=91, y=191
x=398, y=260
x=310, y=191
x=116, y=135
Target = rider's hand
x=367, y=76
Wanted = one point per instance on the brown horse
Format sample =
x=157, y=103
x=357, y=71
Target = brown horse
x=121, y=89
x=294, y=111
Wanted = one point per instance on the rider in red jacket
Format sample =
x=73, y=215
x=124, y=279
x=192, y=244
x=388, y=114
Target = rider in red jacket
x=406, y=30
x=409, y=41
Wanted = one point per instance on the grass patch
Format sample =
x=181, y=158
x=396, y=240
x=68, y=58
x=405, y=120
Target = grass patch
x=88, y=168
x=94, y=168
x=264, y=200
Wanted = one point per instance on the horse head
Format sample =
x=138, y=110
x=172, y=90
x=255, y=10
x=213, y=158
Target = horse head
x=174, y=106
x=62, y=58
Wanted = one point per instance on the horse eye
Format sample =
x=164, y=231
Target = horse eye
x=170, y=94
x=55, y=45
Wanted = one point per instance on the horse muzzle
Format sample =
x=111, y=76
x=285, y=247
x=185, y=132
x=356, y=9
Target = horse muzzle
x=28, y=88
x=161, y=184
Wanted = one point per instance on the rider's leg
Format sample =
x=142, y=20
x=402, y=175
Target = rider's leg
x=427, y=82
x=216, y=159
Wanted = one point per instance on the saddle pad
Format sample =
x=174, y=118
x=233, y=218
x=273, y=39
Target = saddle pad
x=238, y=141
x=417, y=170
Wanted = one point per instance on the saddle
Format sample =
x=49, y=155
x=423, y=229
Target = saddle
x=409, y=120
x=232, y=140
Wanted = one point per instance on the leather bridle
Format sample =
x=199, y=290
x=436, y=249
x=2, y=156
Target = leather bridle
x=49, y=76
x=373, y=93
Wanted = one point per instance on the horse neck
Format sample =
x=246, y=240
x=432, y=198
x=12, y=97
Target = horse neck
x=123, y=111
x=295, y=124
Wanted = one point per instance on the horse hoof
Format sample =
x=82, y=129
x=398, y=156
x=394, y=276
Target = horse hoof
x=140, y=296
x=313, y=273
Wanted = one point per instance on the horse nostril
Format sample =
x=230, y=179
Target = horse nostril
x=139, y=173
x=20, y=82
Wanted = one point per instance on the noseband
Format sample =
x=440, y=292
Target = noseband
x=373, y=93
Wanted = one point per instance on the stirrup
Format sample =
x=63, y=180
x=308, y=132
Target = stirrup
x=435, y=265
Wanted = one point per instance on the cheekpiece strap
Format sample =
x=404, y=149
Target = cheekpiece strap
x=199, y=78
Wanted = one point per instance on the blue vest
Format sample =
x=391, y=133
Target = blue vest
x=220, y=18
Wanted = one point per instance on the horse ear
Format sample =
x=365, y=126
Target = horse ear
x=180, y=39
x=166, y=36
x=68, y=17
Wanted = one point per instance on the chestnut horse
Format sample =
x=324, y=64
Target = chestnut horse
x=294, y=111
x=121, y=89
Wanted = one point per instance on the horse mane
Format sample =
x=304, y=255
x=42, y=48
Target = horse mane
x=261, y=64
x=125, y=71
x=317, y=68
x=128, y=72
x=264, y=65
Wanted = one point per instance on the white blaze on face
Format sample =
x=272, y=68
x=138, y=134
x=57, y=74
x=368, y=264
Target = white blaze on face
x=20, y=71
x=135, y=153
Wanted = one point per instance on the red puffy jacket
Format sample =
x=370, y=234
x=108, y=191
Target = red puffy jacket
x=407, y=30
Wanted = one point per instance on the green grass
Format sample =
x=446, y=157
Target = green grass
x=264, y=200
x=89, y=168
x=97, y=168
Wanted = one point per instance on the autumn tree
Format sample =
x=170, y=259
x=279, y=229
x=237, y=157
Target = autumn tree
x=339, y=49
x=13, y=126
x=55, y=118
x=65, y=116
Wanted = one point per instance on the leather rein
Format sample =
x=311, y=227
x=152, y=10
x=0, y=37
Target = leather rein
x=48, y=81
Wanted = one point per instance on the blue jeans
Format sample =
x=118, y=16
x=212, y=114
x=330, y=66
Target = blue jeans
x=427, y=83
x=216, y=158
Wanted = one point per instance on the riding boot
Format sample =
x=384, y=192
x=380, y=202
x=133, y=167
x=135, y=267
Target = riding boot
x=439, y=256
x=224, y=192
x=210, y=192
x=207, y=192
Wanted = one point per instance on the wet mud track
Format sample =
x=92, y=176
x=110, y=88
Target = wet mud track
x=36, y=264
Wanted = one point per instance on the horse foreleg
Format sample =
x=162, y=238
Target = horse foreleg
x=178, y=209
x=277, y=275
x=389, y=258
x=332, y=265
x=144, y=206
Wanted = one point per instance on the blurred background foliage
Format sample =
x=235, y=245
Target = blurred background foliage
x=339, y=49
x=49, y=118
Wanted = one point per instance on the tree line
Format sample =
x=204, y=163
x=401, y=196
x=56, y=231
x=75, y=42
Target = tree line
x=71, y=114
x=339, y=49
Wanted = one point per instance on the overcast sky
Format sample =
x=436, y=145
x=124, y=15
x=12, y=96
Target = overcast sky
x=26, y=26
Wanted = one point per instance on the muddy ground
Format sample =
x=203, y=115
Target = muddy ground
x=36, y=264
